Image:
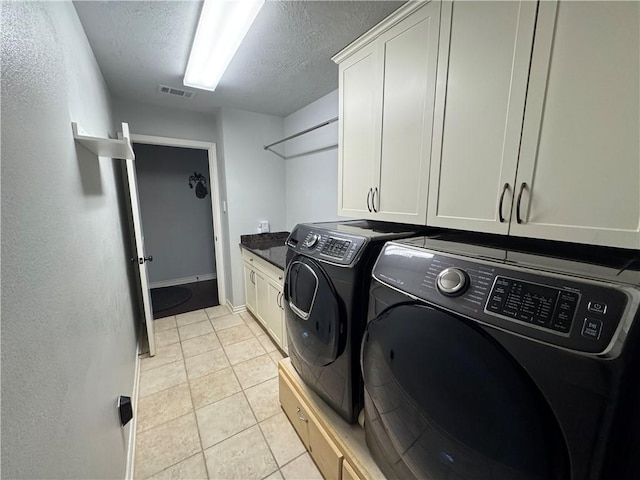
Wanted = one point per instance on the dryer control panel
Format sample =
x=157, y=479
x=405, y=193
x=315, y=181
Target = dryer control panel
x=580, y=315
x=338, y=248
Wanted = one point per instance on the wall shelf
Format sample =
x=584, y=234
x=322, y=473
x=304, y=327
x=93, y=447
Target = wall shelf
x=106, y=147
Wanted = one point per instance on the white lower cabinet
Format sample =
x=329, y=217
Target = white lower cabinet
x=263, y=292
x=249, y=287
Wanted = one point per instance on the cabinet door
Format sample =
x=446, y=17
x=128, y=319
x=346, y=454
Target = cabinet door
x=249, y=287
x=274, y=315
x=580, y=158
x=262, y=296
x=360, y=80
x=348, y=473
x=483, y=66
x=409, y=51
x=324, y=452
x=294, y=408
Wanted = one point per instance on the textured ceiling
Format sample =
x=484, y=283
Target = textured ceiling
x=283, y=64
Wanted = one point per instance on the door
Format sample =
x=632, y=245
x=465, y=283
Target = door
x=312, y=312
x=274, y=316
x=579, y=171
x=250, y=287
x=140, y=258
x=450, y=402
x=262, y=296
x=483, y=68
x=409, y=51
x=360, y=84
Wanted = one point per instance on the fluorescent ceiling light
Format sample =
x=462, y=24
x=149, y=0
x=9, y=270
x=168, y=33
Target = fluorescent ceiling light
x=221, y=28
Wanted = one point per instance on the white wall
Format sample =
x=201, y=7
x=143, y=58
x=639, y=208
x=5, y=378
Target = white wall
x=178, y=226
x=146, y=119
x=68, y=326
x=255, y=182
x=312, y=163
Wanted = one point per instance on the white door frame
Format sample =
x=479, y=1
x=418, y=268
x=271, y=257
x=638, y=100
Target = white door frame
x=216, y=202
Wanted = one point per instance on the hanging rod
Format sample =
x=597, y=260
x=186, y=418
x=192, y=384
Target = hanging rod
x=295, y=135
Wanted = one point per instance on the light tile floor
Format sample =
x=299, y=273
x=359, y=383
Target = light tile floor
x=208, y=403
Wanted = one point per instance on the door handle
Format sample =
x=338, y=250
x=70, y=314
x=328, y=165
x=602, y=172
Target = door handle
x=373, y=199
x=504, y=190
x=522, y=187
x=368, y=196
x=300, y=416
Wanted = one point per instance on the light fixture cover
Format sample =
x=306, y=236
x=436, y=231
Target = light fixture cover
x=221, y=28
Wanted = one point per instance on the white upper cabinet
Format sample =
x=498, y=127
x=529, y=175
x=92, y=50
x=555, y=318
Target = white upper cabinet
x=483, y=68
x=387, y=85
x=579, y=167
x=359, y=107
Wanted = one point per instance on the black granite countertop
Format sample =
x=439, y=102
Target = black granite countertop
x=269, y=246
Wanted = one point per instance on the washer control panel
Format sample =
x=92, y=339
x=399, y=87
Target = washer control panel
x=555, y=309
x=541, y=305
x=339, y=248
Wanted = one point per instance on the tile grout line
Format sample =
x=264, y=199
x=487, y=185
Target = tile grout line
x=193, y=412
x=255, y=418
x=242, y=389
x=193, y=407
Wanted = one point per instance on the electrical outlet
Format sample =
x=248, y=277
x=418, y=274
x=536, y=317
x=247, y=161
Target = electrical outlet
x=263, y=226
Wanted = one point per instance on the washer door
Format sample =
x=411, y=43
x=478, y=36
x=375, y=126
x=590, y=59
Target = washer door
x=447, y=401
x=312, y=312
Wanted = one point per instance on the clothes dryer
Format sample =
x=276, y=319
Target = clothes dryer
x=490, y=362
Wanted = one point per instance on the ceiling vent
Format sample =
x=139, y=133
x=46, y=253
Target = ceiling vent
x=175, y=91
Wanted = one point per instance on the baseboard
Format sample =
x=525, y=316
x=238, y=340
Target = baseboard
x=131, y=449
x=182, y=281
x=238, y=309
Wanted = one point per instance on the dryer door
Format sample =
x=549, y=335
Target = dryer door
x=445, y=400
x=312, y=313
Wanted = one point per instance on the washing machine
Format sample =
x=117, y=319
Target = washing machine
x=491, y=360
x=326, y=288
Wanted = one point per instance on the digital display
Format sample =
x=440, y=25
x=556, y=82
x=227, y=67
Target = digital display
x=536, y=304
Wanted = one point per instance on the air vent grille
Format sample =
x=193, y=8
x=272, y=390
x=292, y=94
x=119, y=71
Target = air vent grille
x=175, y=91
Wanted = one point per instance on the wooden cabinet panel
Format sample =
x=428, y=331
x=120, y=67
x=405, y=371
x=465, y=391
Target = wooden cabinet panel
x=359, y=136
x=263, y=292
x=249, y=287
x=348, y=473
x=324, y=452
x=294, y=409
x=482, y=79
x=387, y=90
x=274, y=317
x=580, y=157
x=262, y=296
x=409, y=51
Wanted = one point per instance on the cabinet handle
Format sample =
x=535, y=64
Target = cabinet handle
x=251, y=259
x=522, y=187
x=300, y=416
x=253, y=277
x=373, y=200
x=368, y=196
x=504, y=190
x=278, y=300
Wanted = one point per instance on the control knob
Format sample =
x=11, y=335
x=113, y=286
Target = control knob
x=312, y=241
x=452, y=282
